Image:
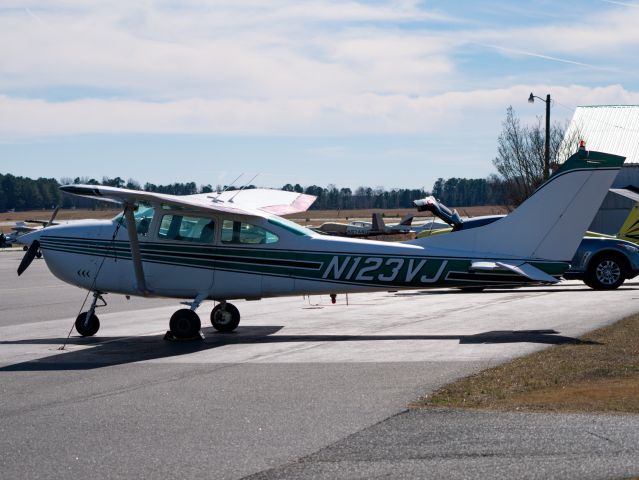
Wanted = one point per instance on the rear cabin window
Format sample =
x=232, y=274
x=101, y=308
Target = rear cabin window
x=187, y=229
x=245, y=233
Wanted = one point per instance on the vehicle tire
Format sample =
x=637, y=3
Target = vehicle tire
x=185, y=323
x=225, y=320
x=89, y=328
x=606, y=272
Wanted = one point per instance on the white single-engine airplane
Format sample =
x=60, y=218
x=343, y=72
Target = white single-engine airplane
x=234, y=245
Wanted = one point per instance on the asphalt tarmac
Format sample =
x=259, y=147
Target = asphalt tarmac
x=303, y=389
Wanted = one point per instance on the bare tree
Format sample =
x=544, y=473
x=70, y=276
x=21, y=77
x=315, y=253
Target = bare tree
x=520, y=154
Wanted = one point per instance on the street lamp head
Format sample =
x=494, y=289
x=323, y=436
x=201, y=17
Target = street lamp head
x=531, y=99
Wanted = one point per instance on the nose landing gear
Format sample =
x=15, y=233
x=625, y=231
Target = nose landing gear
x=87, y=324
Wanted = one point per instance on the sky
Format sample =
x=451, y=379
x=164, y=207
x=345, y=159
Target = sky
x=390, y=94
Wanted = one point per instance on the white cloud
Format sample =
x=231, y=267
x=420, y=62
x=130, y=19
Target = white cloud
x=478, y=110
x=247, y=49
x=597, y=36
x=277, y=67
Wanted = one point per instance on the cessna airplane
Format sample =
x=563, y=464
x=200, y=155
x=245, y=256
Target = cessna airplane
x=234, y=245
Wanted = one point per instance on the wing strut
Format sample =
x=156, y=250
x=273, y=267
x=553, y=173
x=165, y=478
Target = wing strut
x=135, y=249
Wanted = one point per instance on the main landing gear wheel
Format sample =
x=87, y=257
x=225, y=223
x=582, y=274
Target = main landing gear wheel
x=87, y=327
x=225, y=317
x=185, y=323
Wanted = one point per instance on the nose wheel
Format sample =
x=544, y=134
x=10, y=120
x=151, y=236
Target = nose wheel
x=225, y=317
x=87, y=324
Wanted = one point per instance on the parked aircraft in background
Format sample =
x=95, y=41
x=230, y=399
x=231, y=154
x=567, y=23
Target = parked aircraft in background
x=630, y=228
x=366, y=229
x=21, y=227
x=234, y=245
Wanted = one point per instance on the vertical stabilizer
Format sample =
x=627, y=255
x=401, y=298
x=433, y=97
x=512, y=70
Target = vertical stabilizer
x=407, y=220
x=378, y=223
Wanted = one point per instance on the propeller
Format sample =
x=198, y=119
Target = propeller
x=29, y=256
x=34, y=249
x=55, y=213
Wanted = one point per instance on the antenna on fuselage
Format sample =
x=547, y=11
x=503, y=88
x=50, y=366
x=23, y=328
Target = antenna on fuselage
x=243, y=187
x=215, y=198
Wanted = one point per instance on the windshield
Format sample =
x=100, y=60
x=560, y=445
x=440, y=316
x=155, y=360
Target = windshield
x=143, y=216
x=291, y=227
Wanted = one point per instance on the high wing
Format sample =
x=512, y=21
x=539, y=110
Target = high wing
x=256, y=201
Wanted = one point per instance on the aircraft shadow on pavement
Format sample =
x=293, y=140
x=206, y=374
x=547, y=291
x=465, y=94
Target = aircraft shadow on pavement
x=110, y=351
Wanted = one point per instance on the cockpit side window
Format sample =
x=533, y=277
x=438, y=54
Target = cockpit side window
x=246, y=233
x=187, y=229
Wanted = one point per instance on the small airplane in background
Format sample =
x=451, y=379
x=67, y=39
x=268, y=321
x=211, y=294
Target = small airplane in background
x=235, y=245
x=629, y=230
x=21, y=227
x=367, y=229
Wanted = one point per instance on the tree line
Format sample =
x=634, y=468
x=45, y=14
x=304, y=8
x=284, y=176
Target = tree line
x=22, y=193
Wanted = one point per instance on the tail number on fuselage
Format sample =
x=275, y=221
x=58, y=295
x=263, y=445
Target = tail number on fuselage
x=376, y=269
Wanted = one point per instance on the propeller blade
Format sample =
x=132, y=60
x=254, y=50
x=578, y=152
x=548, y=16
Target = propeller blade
x=53, y=215
x=28, y=257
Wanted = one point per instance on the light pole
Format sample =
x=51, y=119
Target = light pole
x=531, y=99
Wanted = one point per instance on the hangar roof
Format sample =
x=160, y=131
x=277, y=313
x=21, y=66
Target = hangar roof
x=606, y=128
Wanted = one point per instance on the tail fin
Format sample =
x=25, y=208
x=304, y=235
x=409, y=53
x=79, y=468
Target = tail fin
x=630, y=228
x=378, y=223
x=550, y=224
x=407, y=220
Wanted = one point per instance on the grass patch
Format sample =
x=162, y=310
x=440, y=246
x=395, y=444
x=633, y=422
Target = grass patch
x=598, y=373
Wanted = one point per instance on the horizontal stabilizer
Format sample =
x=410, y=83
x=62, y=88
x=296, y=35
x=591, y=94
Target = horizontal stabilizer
x=520, y=268
x=529, y=271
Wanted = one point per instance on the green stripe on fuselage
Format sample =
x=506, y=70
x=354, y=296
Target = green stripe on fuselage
x=383, y=270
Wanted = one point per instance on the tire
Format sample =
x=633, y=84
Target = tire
x=91, y=328
x=225, y=320
x=606, y=272
x=185, y=323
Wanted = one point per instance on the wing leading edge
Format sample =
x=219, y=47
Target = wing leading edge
x=257, y=201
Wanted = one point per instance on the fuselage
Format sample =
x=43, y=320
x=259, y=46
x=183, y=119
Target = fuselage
x=187, y=255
